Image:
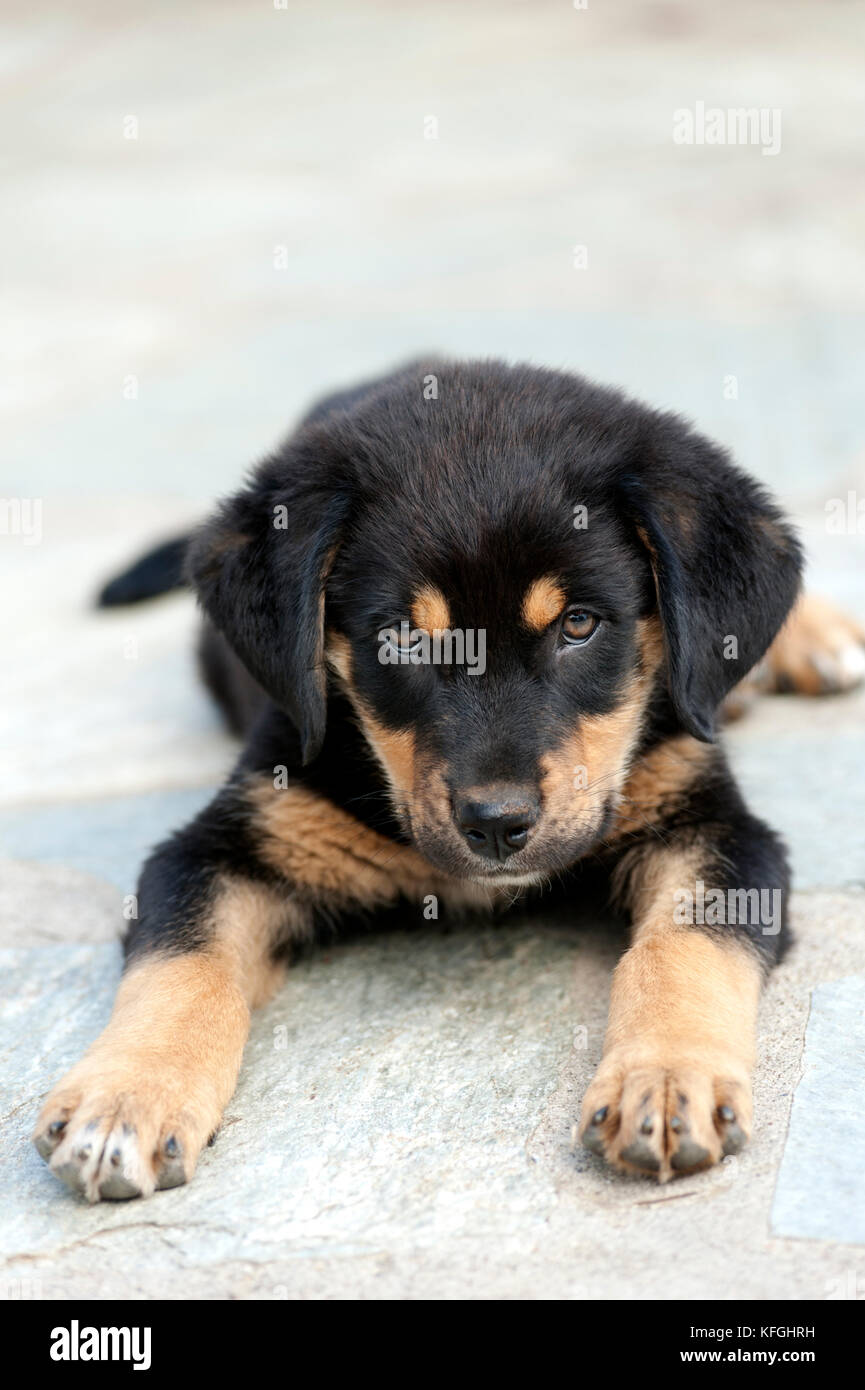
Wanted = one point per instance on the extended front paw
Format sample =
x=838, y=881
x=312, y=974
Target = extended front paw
x=820, y=650
x=662, y=1120
x=111, y=1136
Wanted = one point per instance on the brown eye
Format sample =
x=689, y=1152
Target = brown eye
x=578, y=626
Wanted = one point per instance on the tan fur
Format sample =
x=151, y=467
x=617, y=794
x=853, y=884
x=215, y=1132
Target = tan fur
x=431, y=802
x=820, y=650
x=805, y=655
x=338, y=655
x=658, y=782
x=679, y=997
x=247, y=921
x=166, y=1065
x=430, y=610
x=393, y=749
x=334, y=859
x=591, y=765
x=646, y=878
x=544, y=600
x=328, y=853
x=681, y=1032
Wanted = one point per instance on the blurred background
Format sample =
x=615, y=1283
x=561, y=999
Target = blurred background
x=213, y=212
x=238, y=205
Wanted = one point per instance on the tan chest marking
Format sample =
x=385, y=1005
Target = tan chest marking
x=338, y=860
x=659, y=782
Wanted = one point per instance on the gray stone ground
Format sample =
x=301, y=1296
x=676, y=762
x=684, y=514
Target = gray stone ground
x=402, y=1126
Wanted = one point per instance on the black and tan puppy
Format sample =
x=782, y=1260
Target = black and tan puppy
x=486, y=618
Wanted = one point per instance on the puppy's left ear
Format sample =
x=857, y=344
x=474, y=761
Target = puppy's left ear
x=260, y=568
x=727, y=568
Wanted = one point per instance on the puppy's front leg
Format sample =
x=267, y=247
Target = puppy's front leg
x=219, y=905
x=137, y=1109
x=673, y=1091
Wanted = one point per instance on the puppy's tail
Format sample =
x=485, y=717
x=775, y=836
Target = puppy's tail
x=157, y=572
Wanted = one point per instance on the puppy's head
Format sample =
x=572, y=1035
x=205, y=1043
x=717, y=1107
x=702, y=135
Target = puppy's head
x=514, y=579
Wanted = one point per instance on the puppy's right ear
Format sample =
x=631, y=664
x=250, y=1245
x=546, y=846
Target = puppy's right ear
x=726, y=566
x=260, y=567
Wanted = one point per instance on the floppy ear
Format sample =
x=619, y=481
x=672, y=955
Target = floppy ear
x=727, y=570
x=260, y=567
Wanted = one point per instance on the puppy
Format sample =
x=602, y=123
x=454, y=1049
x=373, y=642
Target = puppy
x=476, y=623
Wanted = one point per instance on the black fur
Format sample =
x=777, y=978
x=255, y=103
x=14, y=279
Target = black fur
x=473, y=490
x=157, y=572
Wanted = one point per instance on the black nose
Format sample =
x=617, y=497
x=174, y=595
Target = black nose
x=497, y=823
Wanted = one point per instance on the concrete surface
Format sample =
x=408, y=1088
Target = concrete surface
x=402, y=1129
x=402, y=1126
x=833, y=1070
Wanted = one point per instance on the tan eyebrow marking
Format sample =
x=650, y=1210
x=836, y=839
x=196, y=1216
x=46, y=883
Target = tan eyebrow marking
x=430, y=610
x=544, y=601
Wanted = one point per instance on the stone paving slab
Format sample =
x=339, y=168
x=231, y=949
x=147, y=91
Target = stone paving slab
x=795, y=762
x=402, y=1129
x=827, y=1132
x=108, y=839
x=99, y=704
x=434, y=1159
x=41, y=904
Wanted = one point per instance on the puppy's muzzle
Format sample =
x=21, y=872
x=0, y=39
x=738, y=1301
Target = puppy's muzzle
x=496, y=822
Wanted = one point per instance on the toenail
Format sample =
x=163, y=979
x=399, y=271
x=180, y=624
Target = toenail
x=593, y=1142
x=726, y=1113
x=735, y=1139
x=689, y=1155
x=646, y=1126
x=600, y=1115
x=641, y=1156
x=676, y=1124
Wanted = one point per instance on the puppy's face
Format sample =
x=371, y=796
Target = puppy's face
x=504, y=567
x=500, y=671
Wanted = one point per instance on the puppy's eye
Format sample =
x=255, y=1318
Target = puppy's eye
x=402, y=638
x=578, y=626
